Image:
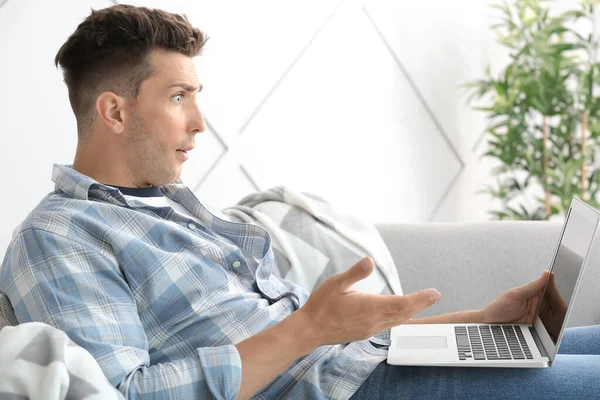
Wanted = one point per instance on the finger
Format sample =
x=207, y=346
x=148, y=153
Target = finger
x=410, y=304
x=357, y=272
x=533, y=287
x=394, y=319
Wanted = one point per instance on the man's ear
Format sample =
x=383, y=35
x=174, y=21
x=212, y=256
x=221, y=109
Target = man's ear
x=111, y=111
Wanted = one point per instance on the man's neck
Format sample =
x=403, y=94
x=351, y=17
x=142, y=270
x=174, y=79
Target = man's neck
x=102, y=166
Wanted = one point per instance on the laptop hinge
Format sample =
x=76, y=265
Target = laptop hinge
x=538, y=341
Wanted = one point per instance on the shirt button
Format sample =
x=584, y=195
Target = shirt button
x=192, y=226
x=236, y=264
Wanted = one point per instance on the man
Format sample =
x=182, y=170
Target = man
x=172, y=300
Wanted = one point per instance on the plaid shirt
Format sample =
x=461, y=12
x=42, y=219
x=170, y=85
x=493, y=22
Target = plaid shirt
x=159, y=300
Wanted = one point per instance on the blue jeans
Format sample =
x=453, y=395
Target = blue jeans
x=575, y=374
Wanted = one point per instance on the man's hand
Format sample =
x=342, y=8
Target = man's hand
x=517, y=305
x=335, y=314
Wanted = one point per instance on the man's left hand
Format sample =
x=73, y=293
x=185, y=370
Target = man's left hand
x=517, y=305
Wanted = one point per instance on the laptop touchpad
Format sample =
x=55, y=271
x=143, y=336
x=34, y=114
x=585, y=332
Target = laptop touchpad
x=421, y=342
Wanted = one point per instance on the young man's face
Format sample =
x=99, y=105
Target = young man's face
x=164, y=120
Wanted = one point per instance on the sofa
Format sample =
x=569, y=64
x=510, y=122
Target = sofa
x=471, y=263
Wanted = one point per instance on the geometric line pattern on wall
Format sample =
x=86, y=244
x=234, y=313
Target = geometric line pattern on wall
x=481, y=136
x=419, y=95
x=348, y=82
x=288, y=69
x=250, y=178
x=449, y=188
x=228, y=144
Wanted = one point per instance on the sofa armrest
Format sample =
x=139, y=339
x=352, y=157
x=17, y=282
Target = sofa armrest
x=471, y=263
x=7, y=315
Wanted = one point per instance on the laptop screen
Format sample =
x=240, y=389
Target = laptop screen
x=558, y=293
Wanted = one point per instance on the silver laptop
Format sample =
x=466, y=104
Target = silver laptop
x=510, y=346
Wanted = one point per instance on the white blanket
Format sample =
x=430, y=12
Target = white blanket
x=38, y=361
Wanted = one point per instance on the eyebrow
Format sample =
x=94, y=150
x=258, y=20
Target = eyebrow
x=186, y=87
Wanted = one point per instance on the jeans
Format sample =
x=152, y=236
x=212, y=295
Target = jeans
x=575, y=374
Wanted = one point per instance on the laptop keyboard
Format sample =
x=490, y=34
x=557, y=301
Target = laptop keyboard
x=491, y=342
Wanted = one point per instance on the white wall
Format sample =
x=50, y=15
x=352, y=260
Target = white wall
x=357, y=101
x=37, y=127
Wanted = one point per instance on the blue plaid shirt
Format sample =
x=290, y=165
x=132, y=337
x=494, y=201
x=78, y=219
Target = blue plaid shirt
x=159, y=300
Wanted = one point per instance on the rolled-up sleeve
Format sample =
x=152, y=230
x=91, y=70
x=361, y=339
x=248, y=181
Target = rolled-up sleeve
x=54, y=279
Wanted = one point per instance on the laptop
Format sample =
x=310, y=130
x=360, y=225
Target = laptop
x=507, y=345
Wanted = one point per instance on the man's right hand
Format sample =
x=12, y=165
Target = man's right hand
x=334, y=313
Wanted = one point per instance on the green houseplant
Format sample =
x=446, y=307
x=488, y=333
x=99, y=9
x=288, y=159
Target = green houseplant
x=545, y=117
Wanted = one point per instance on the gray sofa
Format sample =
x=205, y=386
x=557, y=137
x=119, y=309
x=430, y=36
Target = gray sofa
x=471, y=263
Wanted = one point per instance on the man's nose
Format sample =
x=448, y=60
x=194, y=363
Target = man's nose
x=197, y=123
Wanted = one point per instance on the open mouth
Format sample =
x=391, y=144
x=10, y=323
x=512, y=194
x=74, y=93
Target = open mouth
x=183, y=153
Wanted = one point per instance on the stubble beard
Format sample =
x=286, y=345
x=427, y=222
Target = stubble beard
x=147, y=156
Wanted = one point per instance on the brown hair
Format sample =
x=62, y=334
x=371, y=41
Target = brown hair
x=110, y=50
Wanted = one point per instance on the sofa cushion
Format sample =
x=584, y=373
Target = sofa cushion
x=7, y=315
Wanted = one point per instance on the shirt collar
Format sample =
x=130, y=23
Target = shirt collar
x=77, y=185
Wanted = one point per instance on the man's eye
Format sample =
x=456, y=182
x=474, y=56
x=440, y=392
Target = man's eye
x=177, y=98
